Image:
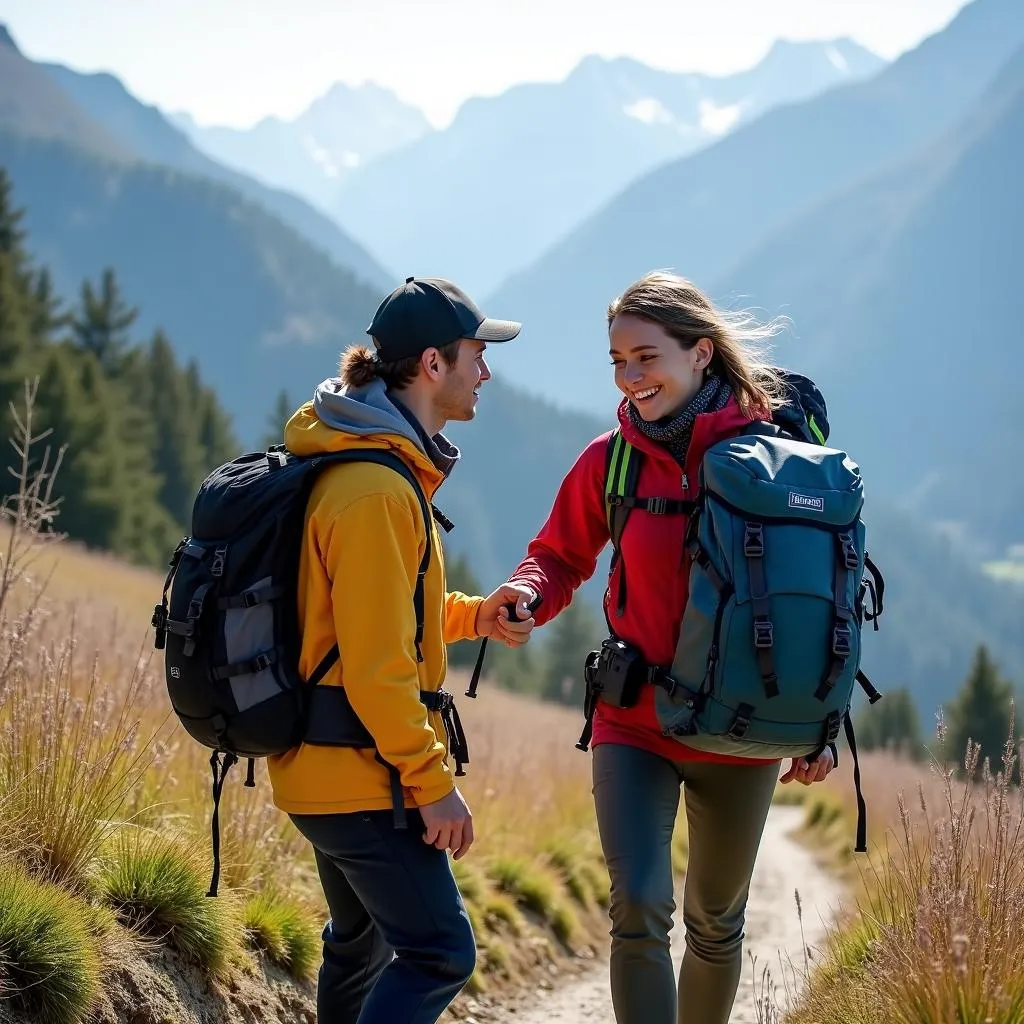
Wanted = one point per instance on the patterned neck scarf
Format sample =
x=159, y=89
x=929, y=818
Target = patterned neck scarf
x=674, y=434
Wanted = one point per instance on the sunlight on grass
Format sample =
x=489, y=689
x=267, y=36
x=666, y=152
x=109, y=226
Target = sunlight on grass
x=935, y=931
x=157, y=885
x=102, y=791
x=49, y=959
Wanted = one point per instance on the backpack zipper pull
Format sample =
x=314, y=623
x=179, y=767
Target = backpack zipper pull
x=686, y=482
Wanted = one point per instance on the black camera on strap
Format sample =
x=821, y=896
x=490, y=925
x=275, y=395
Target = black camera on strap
x=616, y=673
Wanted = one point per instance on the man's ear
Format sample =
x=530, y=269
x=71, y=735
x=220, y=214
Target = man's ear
x=430, y=363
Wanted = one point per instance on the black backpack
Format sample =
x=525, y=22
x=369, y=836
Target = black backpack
x=230, y=631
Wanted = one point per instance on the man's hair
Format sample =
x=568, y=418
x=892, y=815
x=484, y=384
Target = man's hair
x=360, y=366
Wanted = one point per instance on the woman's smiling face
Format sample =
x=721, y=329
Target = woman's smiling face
x=653, y=369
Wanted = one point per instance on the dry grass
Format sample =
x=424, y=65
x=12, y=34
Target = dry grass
x=935, y=929
x=90, y=757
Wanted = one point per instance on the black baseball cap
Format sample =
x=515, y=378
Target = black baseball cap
x=429, y=312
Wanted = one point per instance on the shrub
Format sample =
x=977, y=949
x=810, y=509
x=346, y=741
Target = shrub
x=157, y=885
x=49, y=961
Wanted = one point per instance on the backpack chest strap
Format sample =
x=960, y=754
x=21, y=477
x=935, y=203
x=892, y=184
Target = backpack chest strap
x=655, y=506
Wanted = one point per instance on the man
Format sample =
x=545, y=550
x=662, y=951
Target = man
x=390, y=888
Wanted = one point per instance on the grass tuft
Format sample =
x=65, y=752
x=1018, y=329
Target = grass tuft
x=49, y=961
x=157, y=885
x=302, y=942
x=531, y=887
x=564, y=923
x=570, y=864
x=499, y=910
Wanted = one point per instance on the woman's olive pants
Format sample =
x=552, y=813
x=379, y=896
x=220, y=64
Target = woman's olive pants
x=637, y=799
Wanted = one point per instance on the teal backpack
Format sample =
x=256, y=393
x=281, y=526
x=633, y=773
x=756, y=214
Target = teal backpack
x=780, y=586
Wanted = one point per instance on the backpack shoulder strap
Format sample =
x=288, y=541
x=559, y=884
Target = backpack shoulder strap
x=621, y=475
x=400, y=466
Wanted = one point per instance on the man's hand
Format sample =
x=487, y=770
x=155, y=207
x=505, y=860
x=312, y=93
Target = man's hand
x=808, y=773
x=449, y=824
x=492, y=619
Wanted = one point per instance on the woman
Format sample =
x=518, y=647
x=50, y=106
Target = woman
x=691, y=377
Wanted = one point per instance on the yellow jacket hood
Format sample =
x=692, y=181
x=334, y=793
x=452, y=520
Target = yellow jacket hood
x=339, y=418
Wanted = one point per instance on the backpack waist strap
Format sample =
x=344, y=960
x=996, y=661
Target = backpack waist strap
x=332, y=722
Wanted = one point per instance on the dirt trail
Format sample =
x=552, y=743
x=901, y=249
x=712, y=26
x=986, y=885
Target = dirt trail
x=772, y=931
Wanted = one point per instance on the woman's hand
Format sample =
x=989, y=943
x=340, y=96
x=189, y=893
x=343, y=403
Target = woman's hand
x=808, y=773
x=493, y=621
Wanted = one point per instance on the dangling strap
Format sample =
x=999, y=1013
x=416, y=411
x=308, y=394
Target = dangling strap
x=868, y=687
x=397, y=793
x=220, y=772
x=478, y=668
x=862, y=810
x=458, y=746
x=876, y=586
x=589, y=702
x=590, y=706
x=250, y=774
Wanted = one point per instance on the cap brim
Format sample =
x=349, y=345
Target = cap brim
x=496, y=330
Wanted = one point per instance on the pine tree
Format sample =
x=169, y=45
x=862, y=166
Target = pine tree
x=215, y=431
x=20, y=336
x=280, y=415
x=459, y=576
x=574, y=634
x=101, y=324
x=891, y=724
x=46, y=313
x=981, y=713
x=178, y=455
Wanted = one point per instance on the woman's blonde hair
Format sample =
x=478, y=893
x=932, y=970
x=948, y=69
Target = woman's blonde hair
x=687, y=314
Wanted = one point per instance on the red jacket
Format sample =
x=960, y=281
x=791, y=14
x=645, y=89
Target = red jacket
x=564, y=554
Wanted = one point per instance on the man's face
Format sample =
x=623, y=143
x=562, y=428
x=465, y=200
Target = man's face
x=460, y=388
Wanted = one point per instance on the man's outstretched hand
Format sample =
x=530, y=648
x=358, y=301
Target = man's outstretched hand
x=492, y=620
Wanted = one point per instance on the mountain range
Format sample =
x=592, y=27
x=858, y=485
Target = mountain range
x=903, y=291
x=513, y=173
x=850, y=213
x=883, y=216
x=143, y=132
x=313, y=154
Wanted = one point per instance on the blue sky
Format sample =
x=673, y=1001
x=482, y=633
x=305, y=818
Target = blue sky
x=234, y=61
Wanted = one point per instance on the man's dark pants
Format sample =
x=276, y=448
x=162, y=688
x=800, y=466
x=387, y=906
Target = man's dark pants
x=399, y=946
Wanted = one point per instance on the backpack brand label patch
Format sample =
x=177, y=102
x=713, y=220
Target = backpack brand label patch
x=806, y=502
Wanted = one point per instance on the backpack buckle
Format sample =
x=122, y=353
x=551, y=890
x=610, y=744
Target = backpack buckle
x=841, y=637
x=740, y=725
x=159, y=624
x=657, y=506
x=753, y=540
x=850, y=557
x=219, y=558
x=764, y=634
x=261, y=662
